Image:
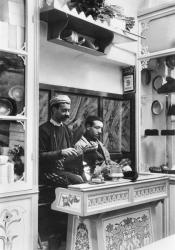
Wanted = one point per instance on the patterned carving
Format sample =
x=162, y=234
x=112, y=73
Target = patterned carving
x=69, y=202
x=144, y=63
x=107, y=199
x=9, y=217
x=82, y=237
x=149, y=191
x=144, y=50
x=131, y=232
x=144, y=47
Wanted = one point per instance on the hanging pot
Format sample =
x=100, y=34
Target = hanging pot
x=157, y=82
x=156, y=107
x=7, y=106
x=145, y=76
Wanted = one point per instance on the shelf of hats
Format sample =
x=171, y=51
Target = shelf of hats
x=12, y=92
x=92, y=27
x=157, y=91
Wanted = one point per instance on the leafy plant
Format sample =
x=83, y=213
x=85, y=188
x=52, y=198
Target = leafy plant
x=16, y=152
x=107, y=12
x=99, y=10
x=89, y=7
x=130, y=22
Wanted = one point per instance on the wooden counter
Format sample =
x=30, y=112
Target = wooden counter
x=115, y=215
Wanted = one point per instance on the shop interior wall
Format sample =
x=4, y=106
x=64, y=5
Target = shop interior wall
x=156, y=150
x=65, y=67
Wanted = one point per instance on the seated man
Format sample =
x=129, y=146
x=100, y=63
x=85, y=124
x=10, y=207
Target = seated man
x=56, y=152
x=96, y=154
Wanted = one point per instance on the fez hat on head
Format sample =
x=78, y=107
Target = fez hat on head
x=168, y=87
x=59, y=99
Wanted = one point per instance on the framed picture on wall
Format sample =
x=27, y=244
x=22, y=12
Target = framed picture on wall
x=128, y=79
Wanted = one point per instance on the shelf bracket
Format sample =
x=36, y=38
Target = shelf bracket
x=22, y=123
x=23, y=58
x=24, y=46
x=22, y=112
x=144, y=63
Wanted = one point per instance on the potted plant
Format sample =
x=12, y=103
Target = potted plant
x=110, y=12
x=114, y=16
x=16, y=155
x=89, y=7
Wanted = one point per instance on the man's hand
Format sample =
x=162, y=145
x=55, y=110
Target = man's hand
x=126, y=168
x=89, y=148
x=69, y=152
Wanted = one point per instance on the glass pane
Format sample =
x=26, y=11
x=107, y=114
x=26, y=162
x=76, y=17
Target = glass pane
x=43, y=106
x=12, y=150
x=12, y=84
x=12, y=24
x=116, y=129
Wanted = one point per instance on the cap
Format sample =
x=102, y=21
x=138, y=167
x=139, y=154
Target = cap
x=60, y=99
x=168, y=87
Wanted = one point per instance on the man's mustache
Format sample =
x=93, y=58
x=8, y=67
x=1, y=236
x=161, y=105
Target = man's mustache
x=66, y=116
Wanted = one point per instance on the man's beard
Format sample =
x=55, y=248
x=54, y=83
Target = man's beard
x=64, y=118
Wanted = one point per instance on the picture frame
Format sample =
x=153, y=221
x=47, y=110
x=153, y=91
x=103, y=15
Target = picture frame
x=128, y=79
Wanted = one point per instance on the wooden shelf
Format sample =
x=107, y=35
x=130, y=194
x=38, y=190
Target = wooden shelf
x=77, y=47
x=157, y=54
x=108, y=39
x=85, y=25
x=59, y=19
x=13, y=118
x=14, y=51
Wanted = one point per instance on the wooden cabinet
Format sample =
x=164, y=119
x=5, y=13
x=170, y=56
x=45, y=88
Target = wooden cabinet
x=156, y=28
x=18, y=93
x=156, y=47
x=133, y=209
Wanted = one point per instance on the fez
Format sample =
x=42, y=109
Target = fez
x=59, y=99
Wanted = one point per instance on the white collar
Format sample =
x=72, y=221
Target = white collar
x=56, y=123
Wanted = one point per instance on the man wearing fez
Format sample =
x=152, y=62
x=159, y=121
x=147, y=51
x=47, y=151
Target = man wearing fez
x=56, y=152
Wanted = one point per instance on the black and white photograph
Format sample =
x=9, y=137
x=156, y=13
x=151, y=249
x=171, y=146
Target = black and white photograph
x=87, y=124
